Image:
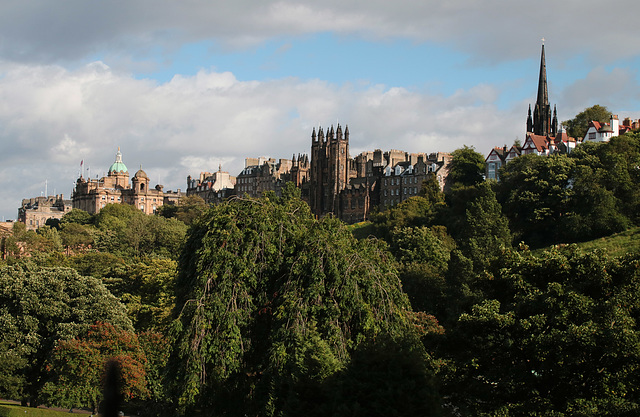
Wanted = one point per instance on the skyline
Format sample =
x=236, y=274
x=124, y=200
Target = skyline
x=185, y=87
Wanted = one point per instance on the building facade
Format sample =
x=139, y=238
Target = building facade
x=91, y=195
x=34, y=212
x=350, y=188
x=213, y=188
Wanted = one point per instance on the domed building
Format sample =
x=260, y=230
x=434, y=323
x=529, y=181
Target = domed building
x=91, y=195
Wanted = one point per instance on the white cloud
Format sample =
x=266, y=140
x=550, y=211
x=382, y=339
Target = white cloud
x=59, y=117
x=488, y=30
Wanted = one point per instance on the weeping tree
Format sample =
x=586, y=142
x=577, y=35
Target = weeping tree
x=273, y=305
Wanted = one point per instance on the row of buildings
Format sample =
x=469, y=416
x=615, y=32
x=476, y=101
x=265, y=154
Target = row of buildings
x=330, y=180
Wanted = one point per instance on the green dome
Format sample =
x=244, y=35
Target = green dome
x=118, y=165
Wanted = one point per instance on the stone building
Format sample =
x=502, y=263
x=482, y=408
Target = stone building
x=404, y=179
x=34, y=212
x=91, y=195
x=261, y=175
x=351, y=188
x=213, y=188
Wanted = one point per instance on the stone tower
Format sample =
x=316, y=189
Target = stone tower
x=542, y=123
x=329, y=169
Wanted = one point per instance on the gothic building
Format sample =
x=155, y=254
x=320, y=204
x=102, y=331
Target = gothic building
x=542, y=123
x=330, y=166
x=351, y=188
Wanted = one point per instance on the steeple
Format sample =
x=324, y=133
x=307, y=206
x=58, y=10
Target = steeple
x=542, y=124
x=543, y=92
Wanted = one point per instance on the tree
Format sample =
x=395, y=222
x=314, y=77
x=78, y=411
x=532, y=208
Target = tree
x=557, y=334
x=77, y=216
x=477, y=223
x=414, y=211
x=271, y=302
x=467, y=166
x=535, y=193
x=423, y=255
x=38, y=307
x=77, y=366
x=187, y=209
x=578, y=126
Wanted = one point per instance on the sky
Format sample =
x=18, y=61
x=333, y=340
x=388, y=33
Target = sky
x=197, y=85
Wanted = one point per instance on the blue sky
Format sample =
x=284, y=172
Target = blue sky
x=183, y=87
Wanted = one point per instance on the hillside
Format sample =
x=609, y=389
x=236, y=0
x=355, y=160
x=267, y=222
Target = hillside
x=617, y=244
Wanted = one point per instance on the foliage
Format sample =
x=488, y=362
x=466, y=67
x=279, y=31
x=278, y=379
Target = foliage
x=612, y=170
x=77, y=216
x=535, y=192
x=270, y=301
x=578, y=126
x=149, y=295
x=431, y=190
x=38, y=307
x=467, y=166
x=414, y=211
x=557, y=334
x=423, y=254
x=125, y=231
x=476, y=222
x=187, y=209
x=76, y=367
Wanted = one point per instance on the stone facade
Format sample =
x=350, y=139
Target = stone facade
x=92, y=195
x=262, y=175
x=213, y=188
x=351, y=188
x=34, y=212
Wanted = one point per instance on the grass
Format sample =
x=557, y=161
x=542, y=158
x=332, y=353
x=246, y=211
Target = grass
x=615, y=245
x=14, y=410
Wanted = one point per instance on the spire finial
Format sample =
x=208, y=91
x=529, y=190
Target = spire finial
x=543, y=41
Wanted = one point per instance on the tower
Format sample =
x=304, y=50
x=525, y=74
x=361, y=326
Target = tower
x=542, y=122
x=329, y=169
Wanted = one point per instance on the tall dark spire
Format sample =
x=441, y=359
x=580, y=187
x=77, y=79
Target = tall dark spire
x=543, y=92
x=542, y=124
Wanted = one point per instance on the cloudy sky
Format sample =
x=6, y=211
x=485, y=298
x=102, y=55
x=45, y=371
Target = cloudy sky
x=185, y=86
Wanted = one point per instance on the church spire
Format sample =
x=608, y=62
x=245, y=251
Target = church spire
x=542, y=123
x=543, y=92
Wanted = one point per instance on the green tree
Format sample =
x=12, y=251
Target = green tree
x=187, y=209
x=414, y=211
x=423, y=254
x=149, y=295
x=271, y=302
x=77, y=365
x=536, y=193
x=578, y=126
x=477, y=223
x=38, y=307
x=557, y=334
x=467, y=166
x=77, y=216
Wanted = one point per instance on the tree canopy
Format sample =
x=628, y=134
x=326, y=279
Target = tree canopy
x=467, y=166
x=39, y=307
x=272, y=303
x=578, y=126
